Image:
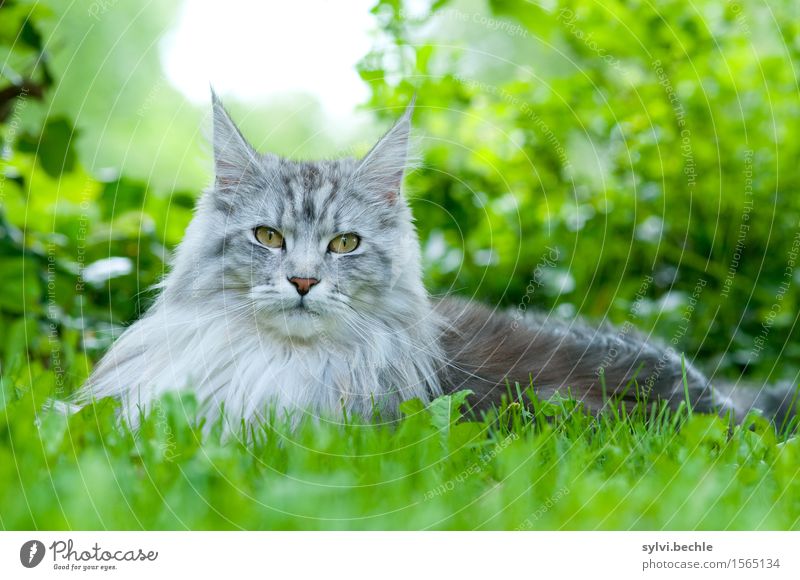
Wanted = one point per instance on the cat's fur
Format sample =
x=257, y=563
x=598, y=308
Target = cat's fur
x=230, y=326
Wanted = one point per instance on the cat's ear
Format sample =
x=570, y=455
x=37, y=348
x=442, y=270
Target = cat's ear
x=234, y=158
x=381, y=171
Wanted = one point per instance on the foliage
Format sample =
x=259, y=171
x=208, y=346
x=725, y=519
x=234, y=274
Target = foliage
x=648, y=144
x=618, y=160
x=552, y=467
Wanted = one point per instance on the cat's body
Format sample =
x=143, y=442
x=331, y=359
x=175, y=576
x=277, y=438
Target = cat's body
x=298, y=288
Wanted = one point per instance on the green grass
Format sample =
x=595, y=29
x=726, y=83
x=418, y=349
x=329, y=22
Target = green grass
x=536, y=465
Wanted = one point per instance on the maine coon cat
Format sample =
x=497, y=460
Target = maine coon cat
x=298, y=286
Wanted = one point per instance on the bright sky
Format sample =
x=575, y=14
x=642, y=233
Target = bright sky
x=253, y=50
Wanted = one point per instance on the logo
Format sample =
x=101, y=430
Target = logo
x=31, y=553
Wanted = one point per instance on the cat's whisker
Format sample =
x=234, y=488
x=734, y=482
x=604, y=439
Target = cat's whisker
x=212, y=316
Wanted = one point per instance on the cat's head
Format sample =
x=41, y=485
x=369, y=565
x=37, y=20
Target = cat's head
x=311, y=247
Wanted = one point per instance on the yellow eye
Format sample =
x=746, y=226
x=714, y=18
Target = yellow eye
x=269, y=237
x=344, y=243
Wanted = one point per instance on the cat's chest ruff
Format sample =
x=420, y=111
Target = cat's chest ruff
x=302, y=376
x=309, y=367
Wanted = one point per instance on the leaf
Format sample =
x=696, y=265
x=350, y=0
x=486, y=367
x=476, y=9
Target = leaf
x=21, y=289
x=411, y=407
x=445, y=411
x=54, y=147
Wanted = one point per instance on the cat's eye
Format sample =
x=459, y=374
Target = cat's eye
x=344, y=243
x=268, y=237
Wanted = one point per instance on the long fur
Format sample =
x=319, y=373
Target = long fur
x=229, y=325
x=488, y=350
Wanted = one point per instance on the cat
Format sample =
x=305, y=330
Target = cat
x=298, y=287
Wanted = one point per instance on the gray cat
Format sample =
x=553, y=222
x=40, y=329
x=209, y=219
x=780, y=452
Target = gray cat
x=298, y=286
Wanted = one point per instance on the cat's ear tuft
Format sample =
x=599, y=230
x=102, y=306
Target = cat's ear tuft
x=234, y=158
x=382, y=169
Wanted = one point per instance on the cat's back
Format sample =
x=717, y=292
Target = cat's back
x=489, y=348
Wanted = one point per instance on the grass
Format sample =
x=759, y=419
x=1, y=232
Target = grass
x=527, y=465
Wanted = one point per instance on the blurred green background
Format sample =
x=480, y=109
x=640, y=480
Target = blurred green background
x=625, y=161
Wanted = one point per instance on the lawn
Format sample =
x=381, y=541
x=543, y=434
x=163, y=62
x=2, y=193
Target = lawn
x=535, y=465
x=616, y=161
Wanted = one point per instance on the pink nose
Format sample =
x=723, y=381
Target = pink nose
x=303, y=285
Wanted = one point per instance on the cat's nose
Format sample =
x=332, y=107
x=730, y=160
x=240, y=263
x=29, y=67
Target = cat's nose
x=303, y=285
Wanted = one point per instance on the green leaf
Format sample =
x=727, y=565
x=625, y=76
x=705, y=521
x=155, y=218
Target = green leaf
x=445, y=411
x=54, y=147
